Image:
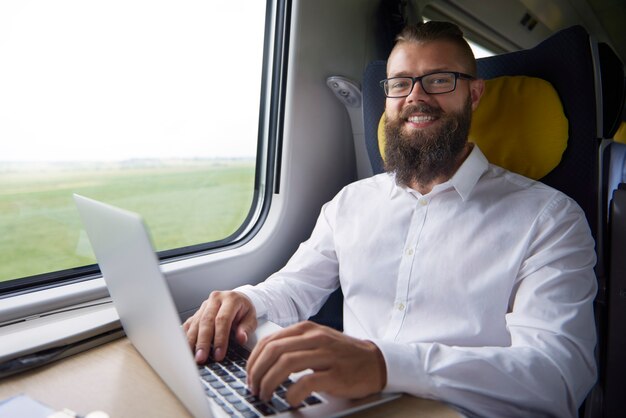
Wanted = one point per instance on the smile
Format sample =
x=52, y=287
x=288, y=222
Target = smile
x=421, y=118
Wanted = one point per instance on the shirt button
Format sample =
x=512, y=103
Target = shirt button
x=423, y=202
x=400, y=306
x=409, y=251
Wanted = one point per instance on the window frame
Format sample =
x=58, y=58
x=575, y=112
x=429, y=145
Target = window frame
x=266, y=183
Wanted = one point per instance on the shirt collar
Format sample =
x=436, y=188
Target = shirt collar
x=463, y=180
x=469, y=173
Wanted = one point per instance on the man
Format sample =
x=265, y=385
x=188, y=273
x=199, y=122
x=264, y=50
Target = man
x=462, y=281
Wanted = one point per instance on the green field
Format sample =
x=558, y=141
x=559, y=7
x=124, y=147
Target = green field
x=184, y=202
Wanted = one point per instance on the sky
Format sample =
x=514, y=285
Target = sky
x=110, y=80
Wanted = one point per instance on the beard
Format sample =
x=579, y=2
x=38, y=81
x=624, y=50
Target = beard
x=424, y=156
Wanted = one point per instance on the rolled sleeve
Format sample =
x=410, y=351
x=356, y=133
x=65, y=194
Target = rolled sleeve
x=257, y=301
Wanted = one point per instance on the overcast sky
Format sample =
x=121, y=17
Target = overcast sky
x=117, y=79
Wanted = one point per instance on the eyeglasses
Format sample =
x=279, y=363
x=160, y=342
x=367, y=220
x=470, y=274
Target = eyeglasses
x=434, y=83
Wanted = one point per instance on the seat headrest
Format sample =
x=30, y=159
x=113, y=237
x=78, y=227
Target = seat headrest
x=519, y=125
x=620, y=134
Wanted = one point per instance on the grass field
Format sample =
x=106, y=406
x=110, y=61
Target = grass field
x=184, y=202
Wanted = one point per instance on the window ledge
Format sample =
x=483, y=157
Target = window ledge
x=58, y=329
x=43, y=302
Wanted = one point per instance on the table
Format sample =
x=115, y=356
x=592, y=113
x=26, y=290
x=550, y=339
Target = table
x=114, y=378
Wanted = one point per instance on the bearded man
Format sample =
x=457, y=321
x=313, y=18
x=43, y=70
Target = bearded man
x=462, y=281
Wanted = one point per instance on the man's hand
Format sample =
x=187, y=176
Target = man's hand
x=342, y=366
x=213, y=322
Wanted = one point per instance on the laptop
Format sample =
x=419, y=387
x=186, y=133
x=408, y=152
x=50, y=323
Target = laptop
x=124, y=251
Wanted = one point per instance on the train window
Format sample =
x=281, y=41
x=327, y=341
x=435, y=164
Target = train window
x=150, y=105
x=479, y=50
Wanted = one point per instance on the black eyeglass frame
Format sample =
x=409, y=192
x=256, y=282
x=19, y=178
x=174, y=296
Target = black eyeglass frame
x=456, y=74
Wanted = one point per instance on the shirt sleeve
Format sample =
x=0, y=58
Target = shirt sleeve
x=299, y=289
x=549, y=366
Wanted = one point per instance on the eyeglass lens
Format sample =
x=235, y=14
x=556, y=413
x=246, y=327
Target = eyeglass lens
x=431, y=83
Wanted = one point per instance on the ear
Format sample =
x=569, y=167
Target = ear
x=477, y=88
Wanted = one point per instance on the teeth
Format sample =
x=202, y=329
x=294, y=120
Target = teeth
x=420, y=119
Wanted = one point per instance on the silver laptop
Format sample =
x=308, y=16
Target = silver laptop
x=123, y=249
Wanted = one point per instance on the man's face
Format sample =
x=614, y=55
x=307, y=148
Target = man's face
x=426, y=134
x=413, y=59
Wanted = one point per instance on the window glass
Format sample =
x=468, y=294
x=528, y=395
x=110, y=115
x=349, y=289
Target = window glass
x=152, y=105
x=479, y=51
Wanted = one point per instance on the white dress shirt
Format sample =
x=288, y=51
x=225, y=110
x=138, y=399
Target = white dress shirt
x=478, y=293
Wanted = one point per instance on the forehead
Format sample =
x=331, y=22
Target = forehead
x=412, y=58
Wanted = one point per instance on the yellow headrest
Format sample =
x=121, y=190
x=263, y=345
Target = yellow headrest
x=519, y=125
x=620, y=135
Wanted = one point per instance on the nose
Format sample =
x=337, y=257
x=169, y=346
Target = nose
x=417, y=93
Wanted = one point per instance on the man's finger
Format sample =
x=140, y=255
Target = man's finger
x=205, y=318
x=320, y=381
x=191, y=330
x=245, y=328
x=223, y=323
x=288, y=363
x=263, y=357
x=296, y=330
x=272, y=369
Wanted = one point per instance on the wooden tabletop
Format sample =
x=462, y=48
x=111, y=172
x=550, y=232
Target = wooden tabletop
x=115, y=379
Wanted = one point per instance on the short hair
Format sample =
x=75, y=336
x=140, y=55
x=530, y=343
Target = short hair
x=439, y=31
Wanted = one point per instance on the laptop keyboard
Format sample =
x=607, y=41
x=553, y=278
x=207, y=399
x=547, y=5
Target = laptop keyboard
x=225, y=383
